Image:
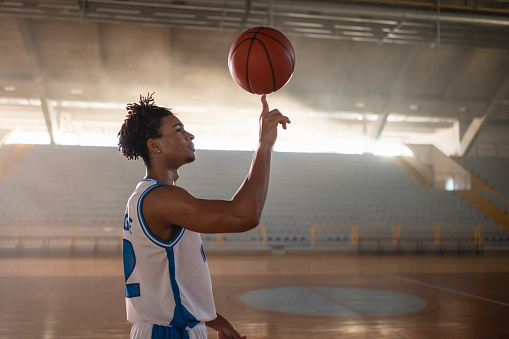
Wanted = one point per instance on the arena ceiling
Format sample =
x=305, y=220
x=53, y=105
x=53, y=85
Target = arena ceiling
x=399, y=70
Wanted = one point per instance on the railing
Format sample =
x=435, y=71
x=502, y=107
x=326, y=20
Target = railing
x=256, y=237
x=75, y=236
x=82, y=236
x=398, y=237
x=498, y=149
x=45, y=235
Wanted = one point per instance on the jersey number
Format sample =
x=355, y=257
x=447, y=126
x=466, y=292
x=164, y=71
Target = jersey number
x=131, y=290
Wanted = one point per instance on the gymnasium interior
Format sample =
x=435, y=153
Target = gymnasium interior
x=388, y=207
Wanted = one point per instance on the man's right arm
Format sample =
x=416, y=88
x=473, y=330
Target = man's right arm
x=172, y=205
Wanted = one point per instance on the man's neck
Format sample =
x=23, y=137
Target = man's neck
x=167, y=177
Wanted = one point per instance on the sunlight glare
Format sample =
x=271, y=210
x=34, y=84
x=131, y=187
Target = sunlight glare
x=24, y=137
x=391, y=149
x=341, y=145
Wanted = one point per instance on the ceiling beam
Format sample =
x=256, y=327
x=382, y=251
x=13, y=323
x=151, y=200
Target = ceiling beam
x=398, y=14
x=477, y=124
x=456, y=28
x=101, y=44
x=32, y=52
x=384, y=113
x=347, y=67
x=247, y=10
x=458, y=72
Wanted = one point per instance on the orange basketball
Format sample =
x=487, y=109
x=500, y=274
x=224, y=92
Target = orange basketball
x=261, y=60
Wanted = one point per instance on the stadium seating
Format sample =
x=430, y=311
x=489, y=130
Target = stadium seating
x=79, y=194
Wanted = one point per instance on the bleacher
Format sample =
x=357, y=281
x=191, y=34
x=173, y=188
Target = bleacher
x=494, y=171
x=74, y=198
x=75, y=195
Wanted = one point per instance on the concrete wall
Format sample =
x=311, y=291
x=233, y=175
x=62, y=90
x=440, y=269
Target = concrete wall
x=443, y=172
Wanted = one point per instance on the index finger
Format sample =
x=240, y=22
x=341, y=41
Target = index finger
x=265, y=104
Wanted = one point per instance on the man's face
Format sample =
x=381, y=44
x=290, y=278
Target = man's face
x=176, y=143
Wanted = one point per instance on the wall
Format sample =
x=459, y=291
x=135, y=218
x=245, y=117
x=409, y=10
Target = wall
x=446, y=173
x=493, y=141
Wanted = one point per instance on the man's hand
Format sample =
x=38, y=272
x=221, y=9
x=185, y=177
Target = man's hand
x=221, y=334
x=224, y=329
x=269, y=121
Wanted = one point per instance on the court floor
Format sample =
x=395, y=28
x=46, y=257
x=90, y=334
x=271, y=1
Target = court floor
x=299, y=295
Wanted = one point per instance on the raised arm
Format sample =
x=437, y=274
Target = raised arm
x=173, y=205
x=250, y=198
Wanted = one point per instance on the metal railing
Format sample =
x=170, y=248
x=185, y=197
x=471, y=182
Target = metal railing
x=75, y=236
x=46, y=235
x=420, y=237
x=102, y=236
x=496, y=149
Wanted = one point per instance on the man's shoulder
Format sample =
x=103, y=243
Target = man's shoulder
x=166, y=193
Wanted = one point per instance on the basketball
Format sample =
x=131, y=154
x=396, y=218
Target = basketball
x=261, y=60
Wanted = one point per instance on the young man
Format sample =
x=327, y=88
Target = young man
x=168, y=288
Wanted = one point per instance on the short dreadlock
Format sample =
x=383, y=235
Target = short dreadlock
x=143, y=122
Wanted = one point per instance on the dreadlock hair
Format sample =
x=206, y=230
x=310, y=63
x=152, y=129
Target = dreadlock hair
x=143, y=122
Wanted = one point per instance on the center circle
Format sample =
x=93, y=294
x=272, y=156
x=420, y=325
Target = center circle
x=334, y=300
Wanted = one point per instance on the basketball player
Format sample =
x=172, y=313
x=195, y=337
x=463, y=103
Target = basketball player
x=168, y=288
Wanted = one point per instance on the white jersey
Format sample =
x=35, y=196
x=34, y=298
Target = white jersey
x=167, y=283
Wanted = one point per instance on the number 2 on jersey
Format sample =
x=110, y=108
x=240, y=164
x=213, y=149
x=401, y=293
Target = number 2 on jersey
x=131, y=290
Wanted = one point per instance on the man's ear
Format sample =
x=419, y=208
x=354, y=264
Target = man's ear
x=153, y=146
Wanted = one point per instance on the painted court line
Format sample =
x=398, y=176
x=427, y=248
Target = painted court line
x=336, y=301
x=445, y=289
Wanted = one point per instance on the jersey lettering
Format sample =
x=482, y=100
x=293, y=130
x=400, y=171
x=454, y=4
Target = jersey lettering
x=127, y=223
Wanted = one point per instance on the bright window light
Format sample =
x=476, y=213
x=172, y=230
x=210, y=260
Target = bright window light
x=342, y=145
x=69, y=139
x=189, y=109
x=20, y=102
x=98, y=140
x=87, y=104
x=23, y=137
x=449, y=184
x=205, y=143
x=391, y=149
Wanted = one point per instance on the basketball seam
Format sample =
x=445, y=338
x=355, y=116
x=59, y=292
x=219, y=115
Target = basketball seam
x=270, y=63
x=250, y=31
x=233, y=54
x=269, y=36
x=247, y=60
x=284, y=47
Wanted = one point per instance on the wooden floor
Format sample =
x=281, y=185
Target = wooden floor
x=82, y=297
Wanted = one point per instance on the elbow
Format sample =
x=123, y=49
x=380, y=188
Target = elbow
x=247, y=218
x=250, y=223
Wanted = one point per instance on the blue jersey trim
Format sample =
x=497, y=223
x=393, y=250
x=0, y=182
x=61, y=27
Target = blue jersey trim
x=182, y=318
x=132, y=290
x=144, y=227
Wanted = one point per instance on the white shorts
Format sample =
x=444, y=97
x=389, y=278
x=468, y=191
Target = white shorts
x=141, y=330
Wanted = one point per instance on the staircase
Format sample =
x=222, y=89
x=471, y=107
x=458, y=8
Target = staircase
x=411, y=172
x=477, y=195
x=484, y=205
